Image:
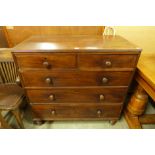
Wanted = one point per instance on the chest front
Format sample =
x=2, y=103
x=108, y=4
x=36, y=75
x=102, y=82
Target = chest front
x=66, y=83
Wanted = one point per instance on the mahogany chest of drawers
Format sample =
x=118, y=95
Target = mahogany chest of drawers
x=76, y=77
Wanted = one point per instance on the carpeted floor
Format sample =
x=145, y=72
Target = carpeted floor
x=121, y=124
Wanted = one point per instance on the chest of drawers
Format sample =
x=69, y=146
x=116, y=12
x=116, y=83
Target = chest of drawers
x=76, y=77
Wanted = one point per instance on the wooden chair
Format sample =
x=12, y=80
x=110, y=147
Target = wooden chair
x=11, y=95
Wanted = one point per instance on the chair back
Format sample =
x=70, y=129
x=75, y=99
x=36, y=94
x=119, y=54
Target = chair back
x=8, y=70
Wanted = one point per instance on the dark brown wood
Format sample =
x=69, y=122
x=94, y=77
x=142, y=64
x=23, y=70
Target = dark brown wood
x=76, y=77
x=58, y=112
x=77, y=95
x=77, y=43
x=56, y=60
x=98, y=61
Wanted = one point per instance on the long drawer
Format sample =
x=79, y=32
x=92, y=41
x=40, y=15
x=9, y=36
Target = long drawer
x=51, y=112
x=75, y=78
x=78, y=95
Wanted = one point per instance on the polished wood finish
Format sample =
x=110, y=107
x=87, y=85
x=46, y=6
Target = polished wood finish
x=77, y=43
x=46, y=60
x=145, y=77
x=146, y=70
x=77, y=95
x=84, y=112
x=61, y=60
x=20, y=33
x=150, y=89
x=136, y=106
x=71, y=77
x=75, y=78
x=98, y=61
x=138, y=101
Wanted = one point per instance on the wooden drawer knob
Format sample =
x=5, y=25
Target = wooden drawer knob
x=105, y=80
x=108, y=63
x=46, y=64
x=48, y=80
x=51, y=97
x=99, y=112
x=53, y=112
x=102, y=97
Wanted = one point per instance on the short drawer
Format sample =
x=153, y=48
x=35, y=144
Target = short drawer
x=49, y=112
x=78, y=95
x=75, y=78
x=100, y=61
x=46, y=60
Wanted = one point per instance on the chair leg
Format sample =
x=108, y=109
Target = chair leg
x=4, y=124
x=17, y=115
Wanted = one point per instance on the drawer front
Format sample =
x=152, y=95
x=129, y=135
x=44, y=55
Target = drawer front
x=46, y=60
x=62, y=112
x=89, y=95
x=75, y=78
x=95, y=61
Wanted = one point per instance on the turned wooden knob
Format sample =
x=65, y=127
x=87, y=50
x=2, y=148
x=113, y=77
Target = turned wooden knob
x=51, y=97
x=108, y=63
x=46, y=64
x=48, y=80
x=53, y=112
x=99, y=112
x=104, y=80
x=102, y=97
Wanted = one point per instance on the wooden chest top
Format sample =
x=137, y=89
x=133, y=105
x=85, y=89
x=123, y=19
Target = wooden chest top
x=75, y=43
